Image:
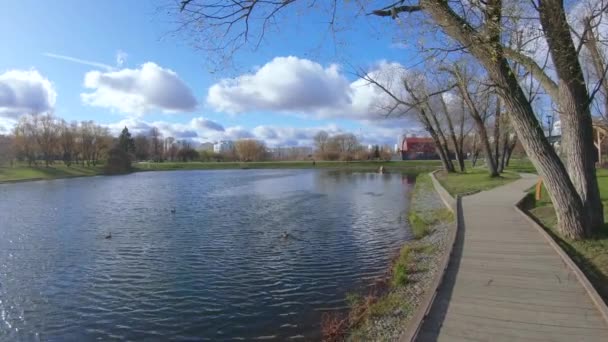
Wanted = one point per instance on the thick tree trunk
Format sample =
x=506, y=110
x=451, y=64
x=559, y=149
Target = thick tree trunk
x=577, y=130
x=571, y=214
x=497, y=119
x=481, y=130
x=457, y=147
x=443, y=141
x=443, y=154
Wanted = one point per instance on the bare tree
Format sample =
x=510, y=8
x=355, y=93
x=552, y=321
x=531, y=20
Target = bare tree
x=6, y=149
x=142, y=147
x=477, y=28
x=477, y=110
x=67, y=141
x=250, y=150
x=157, y=144
x=26, y=146
x=320, y=140
x=456, y=132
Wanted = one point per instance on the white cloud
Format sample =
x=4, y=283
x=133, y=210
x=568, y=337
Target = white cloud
x=300, y=86
x=6, y=124
x=198, y=129
x=285, y=84
x=138, y=91
x=25, y=92
x=272, y=135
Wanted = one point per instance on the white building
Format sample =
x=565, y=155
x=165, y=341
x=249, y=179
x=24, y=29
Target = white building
x=223, y=146
x=206, y=146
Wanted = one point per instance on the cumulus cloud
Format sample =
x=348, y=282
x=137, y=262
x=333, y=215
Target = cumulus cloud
x=283, y=84
x=138, y=91
x=300, y=86
x=202, y=123
x=197, y=129
x=25, y=92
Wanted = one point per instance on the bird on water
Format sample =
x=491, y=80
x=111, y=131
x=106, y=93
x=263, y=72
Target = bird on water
x=109, y=236
x=173, y=211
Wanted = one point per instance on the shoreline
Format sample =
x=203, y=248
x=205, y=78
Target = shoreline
x=384, y=310
x=367, y=166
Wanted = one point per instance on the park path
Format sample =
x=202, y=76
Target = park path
x=504, y=281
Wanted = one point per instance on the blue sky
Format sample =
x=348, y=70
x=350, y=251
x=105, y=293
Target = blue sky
x=293, y=85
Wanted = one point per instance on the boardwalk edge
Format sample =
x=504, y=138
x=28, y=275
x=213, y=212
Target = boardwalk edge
x=591, y=291
x=454, y=205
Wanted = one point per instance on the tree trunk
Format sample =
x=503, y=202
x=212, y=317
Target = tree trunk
x=571, y=215
x=497, y=137
x=457, y=147
x=577, y=130
x=510, y=151
x=443, y=141
x=481, y=129
x=445, y=158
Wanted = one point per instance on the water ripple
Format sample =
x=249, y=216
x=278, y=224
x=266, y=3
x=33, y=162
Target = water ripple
x=217, y=269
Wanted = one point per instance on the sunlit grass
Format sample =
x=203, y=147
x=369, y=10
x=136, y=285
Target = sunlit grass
x=473, y=180
x=591, y=254
x=57, y=170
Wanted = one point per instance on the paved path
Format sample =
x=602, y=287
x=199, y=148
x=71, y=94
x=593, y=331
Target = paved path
x=505, y=282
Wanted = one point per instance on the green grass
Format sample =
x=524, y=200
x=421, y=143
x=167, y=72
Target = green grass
x=422, y=220
x=521, y=165
x=22, y=172
x=57, y=170
x=401, y=266
x=592, y=254
x=473, y=180
x=387, y=305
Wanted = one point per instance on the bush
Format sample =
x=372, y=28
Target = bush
x=400, y=267
x=419, y=226
x=118, y=162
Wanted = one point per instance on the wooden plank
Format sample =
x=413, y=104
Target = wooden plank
x=505, y=282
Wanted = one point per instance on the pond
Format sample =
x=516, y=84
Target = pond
x=247, y=254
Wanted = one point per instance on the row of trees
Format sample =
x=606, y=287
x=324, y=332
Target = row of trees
x=346, y=146
x=501, y=42
x=47, y=138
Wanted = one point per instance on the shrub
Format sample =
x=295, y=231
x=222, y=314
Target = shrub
x=118, y=162
x=420, y=228
x=400, y=267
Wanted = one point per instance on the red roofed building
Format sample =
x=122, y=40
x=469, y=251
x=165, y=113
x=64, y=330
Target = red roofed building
x=418, y=148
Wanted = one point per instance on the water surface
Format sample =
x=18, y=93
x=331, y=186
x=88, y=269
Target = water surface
x=217, y=269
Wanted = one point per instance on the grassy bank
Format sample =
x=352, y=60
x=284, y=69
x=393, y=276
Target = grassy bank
x=473, y=180
x=382, y=311
x=20, y=172
x=591, y=255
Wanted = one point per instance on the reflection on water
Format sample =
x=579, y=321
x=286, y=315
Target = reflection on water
x=217, y=269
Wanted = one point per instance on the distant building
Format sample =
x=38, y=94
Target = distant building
x=223, y=146
x=413, y=148
x=207, y=146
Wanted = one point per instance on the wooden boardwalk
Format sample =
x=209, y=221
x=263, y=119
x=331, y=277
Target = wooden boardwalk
x=504, y=281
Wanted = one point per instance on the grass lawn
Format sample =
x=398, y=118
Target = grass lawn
x=472, y=180
x=591, y=255
x=57, y=170
x=22, y=172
